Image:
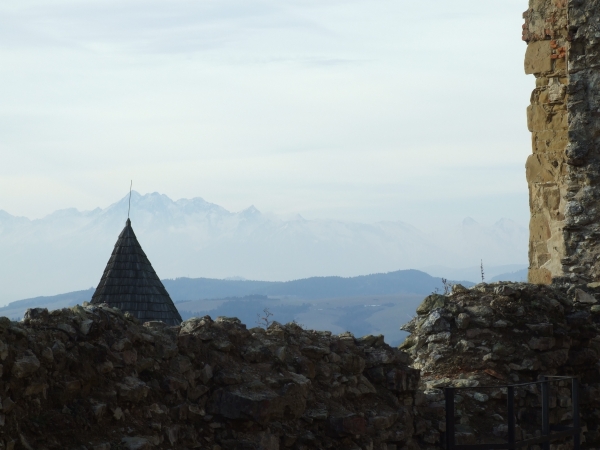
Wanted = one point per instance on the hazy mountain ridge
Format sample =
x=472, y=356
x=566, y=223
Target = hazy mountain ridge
x=67, y=250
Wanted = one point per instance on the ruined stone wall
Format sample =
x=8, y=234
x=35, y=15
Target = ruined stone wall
x=93, y=378
x=564, y=117
x=502, y=333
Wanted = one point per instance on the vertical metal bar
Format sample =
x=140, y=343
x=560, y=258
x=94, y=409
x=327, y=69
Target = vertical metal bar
x=449, y=394
x=546, y=413
x=510, y=403
x=576, y=423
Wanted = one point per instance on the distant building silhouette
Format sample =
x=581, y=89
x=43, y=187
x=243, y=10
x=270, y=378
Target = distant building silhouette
x=130, y=283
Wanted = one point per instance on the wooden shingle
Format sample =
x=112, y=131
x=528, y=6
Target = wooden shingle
x=130, y=283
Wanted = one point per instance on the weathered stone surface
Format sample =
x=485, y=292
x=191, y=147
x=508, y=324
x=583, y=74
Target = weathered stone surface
x=434, y=301
x=25, y=366
x=543, y=329
x=544, y=333
x=349, y=425
x=538, y=58
x=564, y=182
x=583, y=297
x=542, y=344
x=132, y=389
x=402, y=380
x=90, y=376
x=260, y=406
x=353, y=364
x=136, y=443
x=435, y=323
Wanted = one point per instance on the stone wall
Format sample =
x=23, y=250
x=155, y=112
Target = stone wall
x=563, y=40
x=498, y=334
x=545, y=31
x=93, y=378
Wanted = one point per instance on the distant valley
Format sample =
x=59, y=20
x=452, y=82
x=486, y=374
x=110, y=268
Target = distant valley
x=369, y=304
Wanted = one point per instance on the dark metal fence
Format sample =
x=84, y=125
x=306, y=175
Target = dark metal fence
x=548, y=432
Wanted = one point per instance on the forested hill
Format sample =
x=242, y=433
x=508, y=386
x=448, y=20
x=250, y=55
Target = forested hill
x=186, y=289
x=399, y=282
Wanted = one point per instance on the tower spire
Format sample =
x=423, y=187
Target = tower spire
x=129, y=208
x=131, y=284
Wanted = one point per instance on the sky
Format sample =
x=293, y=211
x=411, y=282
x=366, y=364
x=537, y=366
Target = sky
x=356, y=110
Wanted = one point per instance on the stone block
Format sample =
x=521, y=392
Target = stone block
x=538, y=169
x=25, y=366
x=537, y=118
x=430, y=303
x=559, y=121
x=352, y=424
x=551, y=198
x=538, y=58
x=539, y=276
x=583, y=297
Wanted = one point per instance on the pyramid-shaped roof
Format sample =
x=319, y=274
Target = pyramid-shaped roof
x=130, y=283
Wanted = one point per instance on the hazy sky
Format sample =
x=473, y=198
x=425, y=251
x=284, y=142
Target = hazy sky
x=362, y=110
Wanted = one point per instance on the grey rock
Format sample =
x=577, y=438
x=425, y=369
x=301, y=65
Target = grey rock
x=435, y=323
x=86, y=326
x=503, y=349
x=466, y=383
x=259, y=405
x=480, y=311
x=102, y=446
x=132, y=389
x=136, y=443
x=583, y=297
x=462, y=321
x=458, y=288
x=35, y=313
x=25, y=366
x=371, y=341
x=314, y=352
x=543, y=329
x=480, y=397
x=541, y=344
x=579, y=318
x=464, y=346
x=443, y=337
x=475, y=332
x=506, y=290
x=433, y=301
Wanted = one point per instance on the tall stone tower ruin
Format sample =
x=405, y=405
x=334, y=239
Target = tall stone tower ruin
x=563, y=171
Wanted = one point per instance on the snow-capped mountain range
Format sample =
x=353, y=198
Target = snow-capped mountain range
x=67, y=250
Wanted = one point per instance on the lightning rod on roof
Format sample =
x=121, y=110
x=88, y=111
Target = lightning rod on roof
x=129, y=208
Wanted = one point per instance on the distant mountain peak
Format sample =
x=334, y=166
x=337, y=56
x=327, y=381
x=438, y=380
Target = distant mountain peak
x=469, y=222
x=250, y=211
x=157, y=204
x=195, y=238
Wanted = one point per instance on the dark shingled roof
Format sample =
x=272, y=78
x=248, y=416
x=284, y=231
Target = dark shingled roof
x=130, y=283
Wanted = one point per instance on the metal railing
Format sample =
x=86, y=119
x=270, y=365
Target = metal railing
x=548, y=432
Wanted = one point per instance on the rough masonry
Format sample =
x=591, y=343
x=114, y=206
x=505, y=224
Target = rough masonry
x=563, y=42
x=93, y=378
x=504, y=333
